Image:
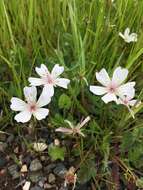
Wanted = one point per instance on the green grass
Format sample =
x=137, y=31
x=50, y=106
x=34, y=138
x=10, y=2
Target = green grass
x=81, y=35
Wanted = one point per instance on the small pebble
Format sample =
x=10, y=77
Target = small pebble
x=60, y=170
x=35, y=165
x=24, y=168
x=36, y=188
x=49, y=167
x=47, y=186
x=51, y=178
x=3, y=161
x=13, y=170
x=36, y=176
x=3, y=146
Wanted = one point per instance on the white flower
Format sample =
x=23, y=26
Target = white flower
x=112, y=87
x=129, y=102
x=73, y=129
x=128, y=37
x=39, y=146
x=49, y=80
x=31, y=106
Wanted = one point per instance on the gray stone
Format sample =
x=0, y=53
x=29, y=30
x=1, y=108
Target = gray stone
x=2, y=137
x=36, y=188
x=51, y=178
x=49, y=168
x=3, y=161
x=63, y=188
x=36, y=176
x=42, y=181
x=60, y=170
x=47, y=186
x=13, y=170
x=3, y=146
x=35, y=165
x=10, y=139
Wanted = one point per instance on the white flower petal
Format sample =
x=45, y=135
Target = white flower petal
x=57, y=70
x=45, y=97
x=132, y=102
x=39, y=147
x=35, y=81
x=103, y=77
x=126, y=33
x=23, y=116
x=133, y=37
x=109, y=98
x=86, y=120
x=64, y=130
x=17, y=104
x=126, y=89
x=119, y=75
x=30, y=93
x=121, y=35
x=41, y=113
x=98, y=90
x=42, y=71
x=48, y=90
x=62, y=82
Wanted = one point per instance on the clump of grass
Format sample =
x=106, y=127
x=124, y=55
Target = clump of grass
x=82, y=36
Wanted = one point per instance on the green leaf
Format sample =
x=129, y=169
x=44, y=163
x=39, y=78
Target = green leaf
x=64, y=102
x=139, y=183
x=56, y=152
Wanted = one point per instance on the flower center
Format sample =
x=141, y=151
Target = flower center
x=32, y=107
x=125, y=101
x=112, y=88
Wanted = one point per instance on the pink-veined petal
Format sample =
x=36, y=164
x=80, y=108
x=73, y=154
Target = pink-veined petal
x=48, y=90
x=103, y=77
x=64, y=130
x=30, y=94
x=98, y=90
x=35, y=81
x=86, y=120
x=45, y=97
x=133, y=37
x=121, y=35
x=41, y=113
x=132, y=102
x=109, y=97
x=42, y=70
x=23, y=116
x=17, y=104
x=126, y=89
x=62, y=82
x=119, y=75
x=126, y=33
x=57, y=70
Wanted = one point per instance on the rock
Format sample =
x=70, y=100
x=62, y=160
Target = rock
x=26, y=185
x=13, y=170
x=35, y=165
x=10, y=139
x=24, y=168
x=36, y=176
x=36, y=188
x=47, y=186
x=2, y=137
x=3, y=146
x=63, y=188
x=42, y=181
x=60, y=170
x=49, y=168
x=3, y=161
x=51, y=178
x=44, y=158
